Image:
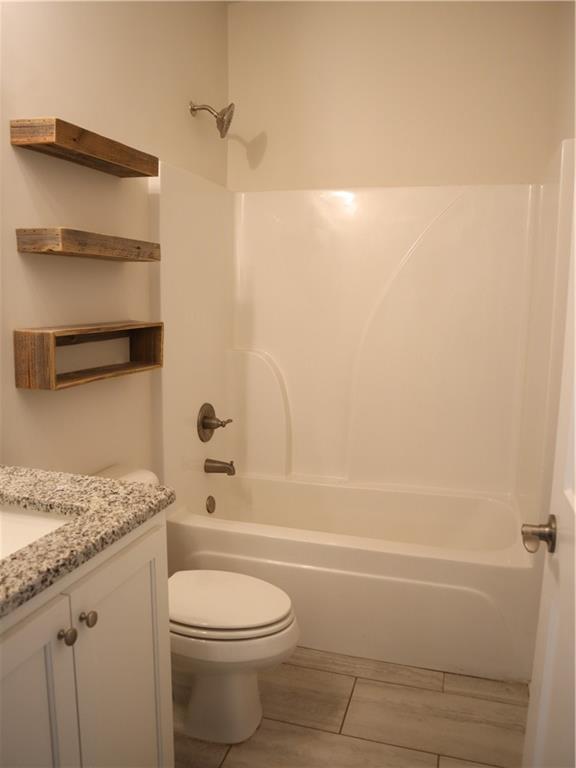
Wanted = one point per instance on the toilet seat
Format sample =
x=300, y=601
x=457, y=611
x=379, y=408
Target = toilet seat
x=203, y=633
x=220, y=605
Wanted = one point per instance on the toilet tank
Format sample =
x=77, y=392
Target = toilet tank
x=129, y=474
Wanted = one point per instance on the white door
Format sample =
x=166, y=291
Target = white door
x=122, y=658
x=551, y=716
x=39, y=723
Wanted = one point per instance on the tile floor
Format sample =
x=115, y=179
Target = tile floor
x=324, y=710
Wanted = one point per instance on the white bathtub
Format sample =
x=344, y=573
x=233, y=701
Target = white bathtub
x=425, y=579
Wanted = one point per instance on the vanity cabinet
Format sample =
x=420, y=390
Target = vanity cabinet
x=103, y=701
x=38, y=718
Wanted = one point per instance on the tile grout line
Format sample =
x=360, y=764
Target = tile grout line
x=288, y=663
x=228, y=749
x=442, y=689
x=412, y=749
x=404, y=666
x=472, y=762
x=301, y=725
x=463, y=694
x=377, y=661
x=348, y=704
x=364, y=677
x=363, y=738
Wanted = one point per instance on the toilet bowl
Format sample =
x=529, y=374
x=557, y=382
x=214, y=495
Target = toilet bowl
x=224, y=628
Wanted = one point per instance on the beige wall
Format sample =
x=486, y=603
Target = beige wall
x=197, y=306
x=397, y=93
x=126, y=70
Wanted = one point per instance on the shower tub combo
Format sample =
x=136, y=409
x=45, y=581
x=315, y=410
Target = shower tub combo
x=423, y=579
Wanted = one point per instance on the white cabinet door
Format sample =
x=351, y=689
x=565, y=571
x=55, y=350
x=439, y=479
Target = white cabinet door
x=38, y=716
x=123, y=661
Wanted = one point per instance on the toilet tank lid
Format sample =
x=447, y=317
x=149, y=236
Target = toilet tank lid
x=129, y=474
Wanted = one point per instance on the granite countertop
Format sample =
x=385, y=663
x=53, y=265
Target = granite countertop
x=100, y=512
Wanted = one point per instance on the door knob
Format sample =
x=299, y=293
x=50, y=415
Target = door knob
x=90, y=618
x=532, y=535
x=68, y=635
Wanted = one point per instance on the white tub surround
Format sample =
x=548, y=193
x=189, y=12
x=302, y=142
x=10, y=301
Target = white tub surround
x=379, y=334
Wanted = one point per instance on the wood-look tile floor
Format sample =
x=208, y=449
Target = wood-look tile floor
x=325, y=710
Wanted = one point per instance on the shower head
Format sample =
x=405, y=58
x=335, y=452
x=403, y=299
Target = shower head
x=223, y=118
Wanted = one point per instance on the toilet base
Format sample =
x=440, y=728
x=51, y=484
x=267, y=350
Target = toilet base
x=216, y=682
x=224, y=708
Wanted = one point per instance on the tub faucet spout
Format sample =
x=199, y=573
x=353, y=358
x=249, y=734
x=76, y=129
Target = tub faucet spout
x=213, y=466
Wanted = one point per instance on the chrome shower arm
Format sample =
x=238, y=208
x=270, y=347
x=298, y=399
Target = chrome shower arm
x=223, y=118
x=199, y=107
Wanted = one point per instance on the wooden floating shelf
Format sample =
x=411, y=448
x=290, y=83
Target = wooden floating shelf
x=67, y=141
x=62, y=241
x=35, y=352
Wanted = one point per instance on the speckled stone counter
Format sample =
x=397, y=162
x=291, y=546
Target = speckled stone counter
x=100, y=512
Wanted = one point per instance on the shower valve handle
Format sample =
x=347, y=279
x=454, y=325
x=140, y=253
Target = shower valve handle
x=207, y=422
x=215, y=423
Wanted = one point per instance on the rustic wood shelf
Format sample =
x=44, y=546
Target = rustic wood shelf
x=67, y=141
x=62, y=241
x=35, y=352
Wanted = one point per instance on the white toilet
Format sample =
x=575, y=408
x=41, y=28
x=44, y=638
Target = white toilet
x=224, y=627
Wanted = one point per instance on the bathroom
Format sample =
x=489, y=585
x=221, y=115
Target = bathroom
x=369, y=274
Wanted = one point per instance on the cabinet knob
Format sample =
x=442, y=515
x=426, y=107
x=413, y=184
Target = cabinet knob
x=68, y=635
x=91, y=618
